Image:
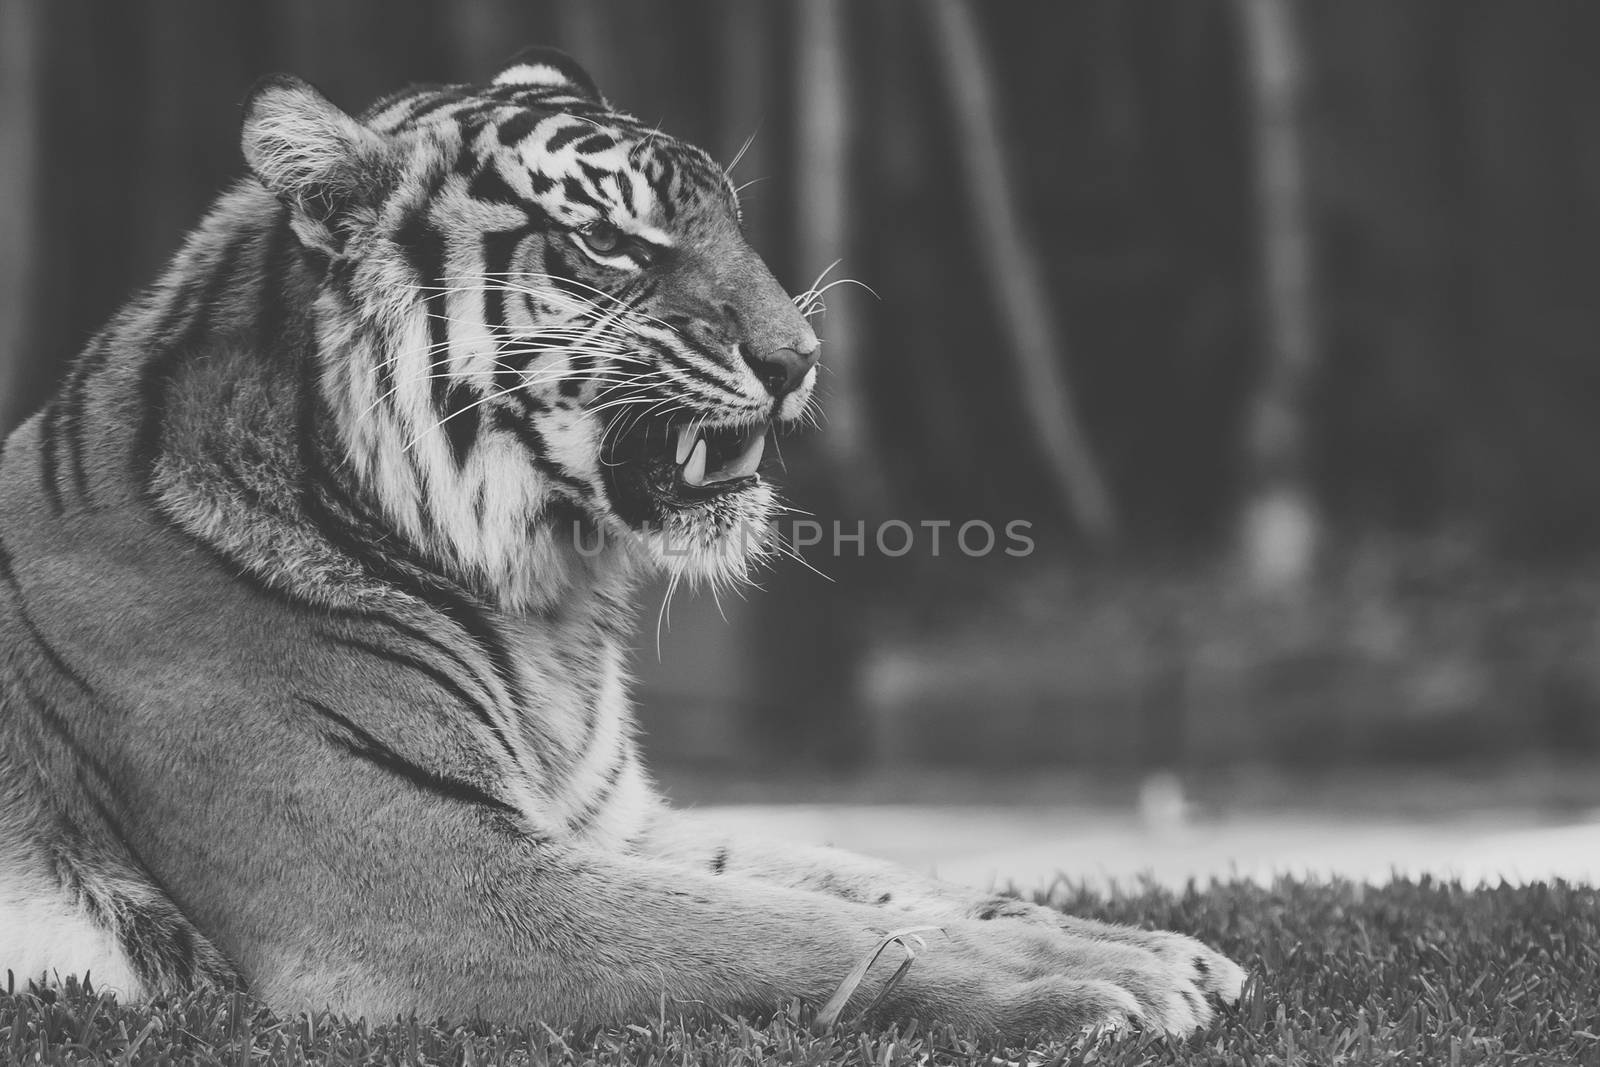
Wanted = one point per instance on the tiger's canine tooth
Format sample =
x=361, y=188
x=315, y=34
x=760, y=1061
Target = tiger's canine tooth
x=747, y=463
x=694, y=472
x=686, y=439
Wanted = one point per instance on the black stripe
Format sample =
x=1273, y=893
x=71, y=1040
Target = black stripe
x=8, y=575
x=188, y=301
x=574, y=190
x=583, y=366
x=468, y=615
x=566, y=135
x=687, y=365
x=479, y=710
x=659, y=177
x=591, y=725
x=359, y=743
x=460, y=419
x=514, y=129
x=510, y=368
x=607, y=790
x=424, y=247
x=489, y=186
x=350, y=529
x=64, y=734
x=424, y=498
x=385, y=372
x=597, y=177
x=559, y=266
x=643, y=290
x=417, y=578
x=441, y=100
x=76, y=401
x=171, y=306
x=49, y=443
x=390, y=100
x=359, y=539
x=597, y=142
x=368, y=538
x=421, y=637
x=93, y=780
x=499, y=246
x=158, y=941
x=533, y=443
x=528, y=304
x=242, y=572
x=192, y=306
x=664, y=201
x=469, y=123
x=506, y=92
x=340, y=271
x=271, y=322
x=582, y=108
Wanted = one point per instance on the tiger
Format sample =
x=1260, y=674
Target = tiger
x=316, y=582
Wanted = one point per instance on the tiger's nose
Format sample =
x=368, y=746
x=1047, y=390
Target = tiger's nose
x=781, y=370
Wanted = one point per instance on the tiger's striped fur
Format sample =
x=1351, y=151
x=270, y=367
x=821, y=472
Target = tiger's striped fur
x=308, y=682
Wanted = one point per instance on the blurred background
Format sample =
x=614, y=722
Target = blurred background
x=1270, y=327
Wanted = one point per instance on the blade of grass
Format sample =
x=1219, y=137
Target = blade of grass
x=828, y=1016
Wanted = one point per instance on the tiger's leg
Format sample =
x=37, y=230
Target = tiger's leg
x=691, y=840
x=470, y=916
x=95, y=917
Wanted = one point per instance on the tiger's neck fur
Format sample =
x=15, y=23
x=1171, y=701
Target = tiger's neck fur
x=281, y=422
x=246, y=438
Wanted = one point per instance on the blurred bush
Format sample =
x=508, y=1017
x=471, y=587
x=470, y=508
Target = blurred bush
x=1399, y=653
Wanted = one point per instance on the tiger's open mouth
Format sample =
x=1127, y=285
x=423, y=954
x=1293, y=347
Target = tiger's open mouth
x=661, y=467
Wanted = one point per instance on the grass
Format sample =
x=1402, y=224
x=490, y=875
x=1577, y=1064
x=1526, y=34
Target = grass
x=1411, y=973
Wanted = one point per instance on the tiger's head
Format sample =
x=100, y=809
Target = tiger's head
x=541, y=327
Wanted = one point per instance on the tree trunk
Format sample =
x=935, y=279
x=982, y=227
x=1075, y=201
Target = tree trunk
x=1012, y=267
x=1280, y=527
x=825, y=225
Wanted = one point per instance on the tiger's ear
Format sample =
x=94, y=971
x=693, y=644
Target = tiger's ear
x=321, y=163
x=550, y=68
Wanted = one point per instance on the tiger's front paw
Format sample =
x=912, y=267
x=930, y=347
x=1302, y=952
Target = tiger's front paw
x=1028, y=980
x=1183, y=957
x=1209, y=969
x=1186, y=957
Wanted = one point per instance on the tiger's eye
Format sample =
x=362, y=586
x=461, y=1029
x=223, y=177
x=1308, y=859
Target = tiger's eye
x=602, y=237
